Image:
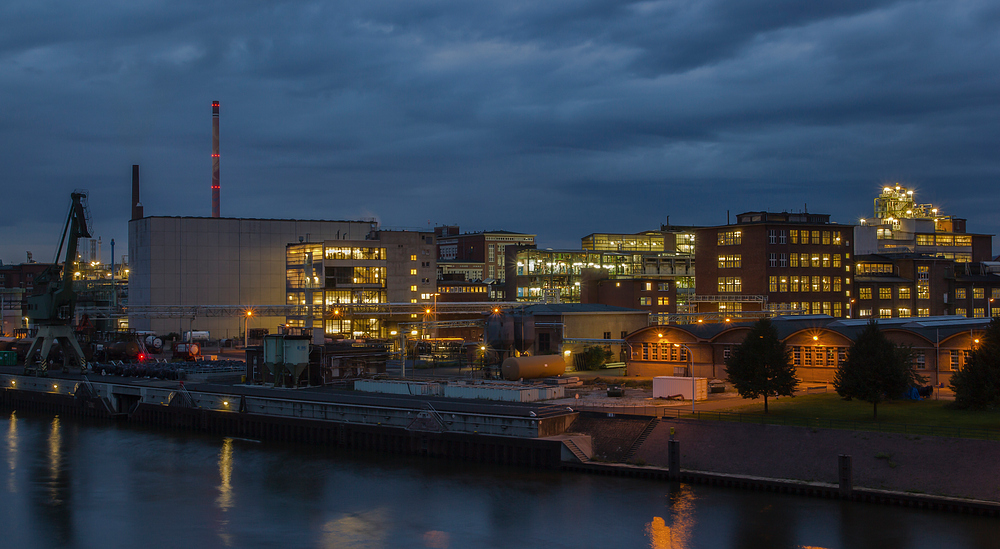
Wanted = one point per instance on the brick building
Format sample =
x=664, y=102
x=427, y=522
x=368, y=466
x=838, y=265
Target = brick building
x=778, y=261
x=486, y=247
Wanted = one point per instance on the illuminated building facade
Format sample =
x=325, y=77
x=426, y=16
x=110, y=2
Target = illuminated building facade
x=902, y=286
x=486, y=247
x=776, y=261
x=940, y=345
x=388, y=267
x=900, y=225
x=669, y=238
x=654, y=282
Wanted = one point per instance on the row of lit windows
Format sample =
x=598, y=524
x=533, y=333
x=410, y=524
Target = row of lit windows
x=462, y=289
x=805, y=284
x=977, y=312
x=818, y=356
x=944, y=240
x=977, y=293
x=902, y=312
x=665, y=352
x=660, y=286
x=730, y=261
x=814, y=237
x=807, y=260
x=873, y=268
x=649, y=301
x=354, y=253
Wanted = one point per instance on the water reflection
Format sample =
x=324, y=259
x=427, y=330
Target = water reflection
x=12, y=453
x=366, y=529
x=678, y=536
x=52, y=496
x=225, y=499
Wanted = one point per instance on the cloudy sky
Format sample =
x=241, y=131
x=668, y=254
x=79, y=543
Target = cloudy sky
x=559, y=118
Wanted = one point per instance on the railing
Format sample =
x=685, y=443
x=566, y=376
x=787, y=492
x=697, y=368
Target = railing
x=812, y=423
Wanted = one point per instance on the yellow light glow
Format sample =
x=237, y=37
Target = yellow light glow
x=414, y=332
x=567, y=352
x=815, y=338
x=659, y=335
x=54, y=386
x=225, y=403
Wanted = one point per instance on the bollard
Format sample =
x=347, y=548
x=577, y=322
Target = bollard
x=845, y=475
x=674, y=459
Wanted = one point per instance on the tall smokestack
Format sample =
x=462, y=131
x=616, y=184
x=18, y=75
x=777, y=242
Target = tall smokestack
x=215, y=159
x=136, y=205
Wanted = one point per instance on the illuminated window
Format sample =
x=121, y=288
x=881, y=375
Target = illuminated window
x=649, y=286
x=794, y=260
x=919, y=360
x=730, y=238
x=904, y=312
x=885, y=313
x=838, y=309
x=413, y=288
x=836, y=238
x=826, y=308
x=773, y=284
x=783, y=284
x=795, y=283
x=925, y=240
x=836, y=260
x=413, y=258
x=885, y=293
x=663, y=287
x=826, y=283
x=663, y=301
x=964, y=241
x=923, y=291
x=805, y=284
x=864, y=293
x=816, y=284
x=979, y=312
x=826, y=260
x=413, y=272
x=730, y=261
x=805, y=237
x=923, y=312
x=794, y=234
x=836, y=283
x=959, y=293
x=826, y=237
x=645, y=301
x=815, y=237
x=996, y=293
x=961, y=312
x=945, y=240
x=865, y=312
x=804, y=260
x=979, y=293
x=904, y=293
x=730, y=284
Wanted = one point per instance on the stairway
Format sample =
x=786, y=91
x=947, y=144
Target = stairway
x=577, y=452
x=641, y=438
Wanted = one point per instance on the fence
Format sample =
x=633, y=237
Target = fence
x=669, y=412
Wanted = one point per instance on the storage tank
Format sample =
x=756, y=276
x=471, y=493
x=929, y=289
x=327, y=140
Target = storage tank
x=296, y=355
x=187, y=351
x=531, y=367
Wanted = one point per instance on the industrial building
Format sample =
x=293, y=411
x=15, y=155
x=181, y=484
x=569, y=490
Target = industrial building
x=818, y=343
x=900, y=225
x=329, y=278
x=486, y=247
x=776, y=262
x=203, y=273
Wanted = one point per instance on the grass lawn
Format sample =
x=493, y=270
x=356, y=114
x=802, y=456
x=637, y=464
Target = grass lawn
x=835, y=411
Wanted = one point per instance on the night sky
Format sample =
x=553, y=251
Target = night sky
x=559, y=118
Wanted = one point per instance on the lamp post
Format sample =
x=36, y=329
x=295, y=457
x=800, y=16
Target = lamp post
x=690, y=371
x=246, y=329
x=990, y=305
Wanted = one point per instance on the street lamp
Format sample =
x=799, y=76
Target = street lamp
x=990, y=305
x=690, y=371
x=246, y=329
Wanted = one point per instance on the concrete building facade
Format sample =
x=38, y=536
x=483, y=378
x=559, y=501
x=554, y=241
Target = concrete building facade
x=226, y=262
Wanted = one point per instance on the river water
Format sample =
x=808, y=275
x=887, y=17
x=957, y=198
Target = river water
x=68, y=483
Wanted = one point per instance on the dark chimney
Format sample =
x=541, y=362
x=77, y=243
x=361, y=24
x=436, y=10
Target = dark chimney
x=136, y=205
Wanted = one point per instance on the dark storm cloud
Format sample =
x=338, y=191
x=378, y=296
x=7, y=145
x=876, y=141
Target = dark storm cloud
x=560, y=118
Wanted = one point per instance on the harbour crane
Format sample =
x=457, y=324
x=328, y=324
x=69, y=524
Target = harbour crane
x=52, y=308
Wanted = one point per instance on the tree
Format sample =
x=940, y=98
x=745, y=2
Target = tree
x=762, y=365
x=593, y=357
x=977, y=385
x=876, y=369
